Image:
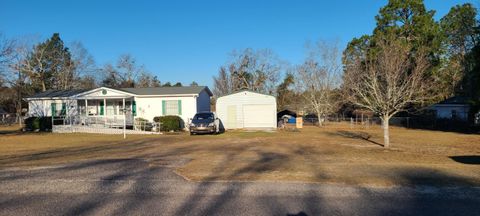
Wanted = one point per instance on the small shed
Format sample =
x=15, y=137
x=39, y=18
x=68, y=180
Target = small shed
x=247, y=109
x=287, y=114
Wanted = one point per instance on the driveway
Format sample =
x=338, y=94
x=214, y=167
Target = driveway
x=138, y=187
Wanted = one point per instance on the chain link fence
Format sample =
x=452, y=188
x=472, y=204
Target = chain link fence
x=416, y=122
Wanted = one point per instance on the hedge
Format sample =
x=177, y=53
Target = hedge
x=169, y=123
x=38, y=123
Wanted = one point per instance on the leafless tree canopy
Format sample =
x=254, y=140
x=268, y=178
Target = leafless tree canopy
x=256, y=70
x=388, y=83
x=318, y=78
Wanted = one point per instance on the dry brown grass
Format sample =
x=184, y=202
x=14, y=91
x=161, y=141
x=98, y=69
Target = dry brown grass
x=333, y=154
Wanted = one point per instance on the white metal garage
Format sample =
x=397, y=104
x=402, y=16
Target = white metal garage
x=247, y=109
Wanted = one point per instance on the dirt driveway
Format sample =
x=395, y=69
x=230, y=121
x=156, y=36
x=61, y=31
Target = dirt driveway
x=332, y=154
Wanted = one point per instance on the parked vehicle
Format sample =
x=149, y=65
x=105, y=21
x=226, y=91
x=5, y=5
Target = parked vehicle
x=204, y=122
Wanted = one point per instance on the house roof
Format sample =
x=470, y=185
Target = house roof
x=135, y=91
x=286, y=112
x=167, y=90
x=58, y=93
x=455, y=100
x=245, y=90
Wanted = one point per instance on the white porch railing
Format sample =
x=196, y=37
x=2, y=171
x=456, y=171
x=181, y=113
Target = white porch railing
x=109, y=121
x=103, y=124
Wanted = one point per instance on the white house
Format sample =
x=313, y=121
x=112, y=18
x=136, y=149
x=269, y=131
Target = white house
x=106, y=104
x=247, y=109
x=455, y=108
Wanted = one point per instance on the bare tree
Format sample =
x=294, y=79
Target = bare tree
x=128, y=70
x=85, y=71
x=255, y=70
x=389, y=82
x=7, y=48
x=318, y=78
x=222, y=83
x=147, y=80
x=16, y=77
x=127, y=73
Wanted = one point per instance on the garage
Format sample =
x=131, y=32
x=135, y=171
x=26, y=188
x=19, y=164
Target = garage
x=247, y=109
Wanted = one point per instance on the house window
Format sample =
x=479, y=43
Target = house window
x=172, y=107
x=454, y=114
x=58, y=109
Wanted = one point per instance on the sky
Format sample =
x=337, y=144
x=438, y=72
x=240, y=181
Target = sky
x=185, y=41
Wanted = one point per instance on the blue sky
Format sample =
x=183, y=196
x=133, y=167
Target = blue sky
x=189, y=40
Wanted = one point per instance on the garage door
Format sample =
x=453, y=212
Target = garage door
x=258, y=116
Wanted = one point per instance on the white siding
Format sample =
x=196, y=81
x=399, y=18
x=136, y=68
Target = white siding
x=149, y=107
x=43, y=107
x=236, y=102
x=203, y=102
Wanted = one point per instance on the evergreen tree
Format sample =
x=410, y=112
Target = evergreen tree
x=461, y=36
x=49, y=65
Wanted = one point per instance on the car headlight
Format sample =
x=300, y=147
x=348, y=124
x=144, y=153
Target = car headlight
x=211, y=124
x=192, y=125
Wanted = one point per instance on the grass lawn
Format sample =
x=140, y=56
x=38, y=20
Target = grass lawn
x=331, y=154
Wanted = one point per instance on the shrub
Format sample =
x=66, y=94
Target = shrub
x=38, y=123
x=169, y=123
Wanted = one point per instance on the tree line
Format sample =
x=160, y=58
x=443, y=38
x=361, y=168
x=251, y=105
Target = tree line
x=51, y=65
x=409, y=61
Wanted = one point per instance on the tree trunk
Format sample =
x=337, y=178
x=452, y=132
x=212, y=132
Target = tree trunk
x=319, y=116
x=386, y=132
x=44, y=88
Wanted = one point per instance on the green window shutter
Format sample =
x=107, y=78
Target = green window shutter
x=101, y=108
x=164, y=107
x=134, y=108
x=64, y=109
x=179, y=107
x=53, y=106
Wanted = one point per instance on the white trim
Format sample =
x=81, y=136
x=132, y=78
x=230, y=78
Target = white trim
x=103, y=88
x=169, y=95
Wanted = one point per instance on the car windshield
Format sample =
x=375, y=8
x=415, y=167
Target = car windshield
x=203, y=116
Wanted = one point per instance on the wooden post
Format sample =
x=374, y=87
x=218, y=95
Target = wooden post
x=299, y=120
x=124, y=120
x=105, y=111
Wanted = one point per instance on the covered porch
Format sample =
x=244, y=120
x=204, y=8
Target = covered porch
x=106, y=107
x=110, y=112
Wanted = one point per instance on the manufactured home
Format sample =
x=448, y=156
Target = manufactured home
x=107, y=105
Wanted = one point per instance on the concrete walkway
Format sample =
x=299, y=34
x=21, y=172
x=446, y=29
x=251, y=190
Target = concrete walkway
x=135, y=187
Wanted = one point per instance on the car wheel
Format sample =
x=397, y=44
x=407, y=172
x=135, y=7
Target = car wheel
x=191, y=133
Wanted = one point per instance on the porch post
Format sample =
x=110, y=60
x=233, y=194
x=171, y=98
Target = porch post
x=86, y=107
x=105, y=111
x=124, y=120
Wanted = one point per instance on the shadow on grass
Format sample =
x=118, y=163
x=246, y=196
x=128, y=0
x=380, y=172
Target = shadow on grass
x=142, y=195
x=467, y=159
x=355, y=135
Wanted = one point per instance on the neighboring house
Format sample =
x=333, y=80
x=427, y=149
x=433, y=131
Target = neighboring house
x=107, y=104
x=455, y=108
x=248, y=110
